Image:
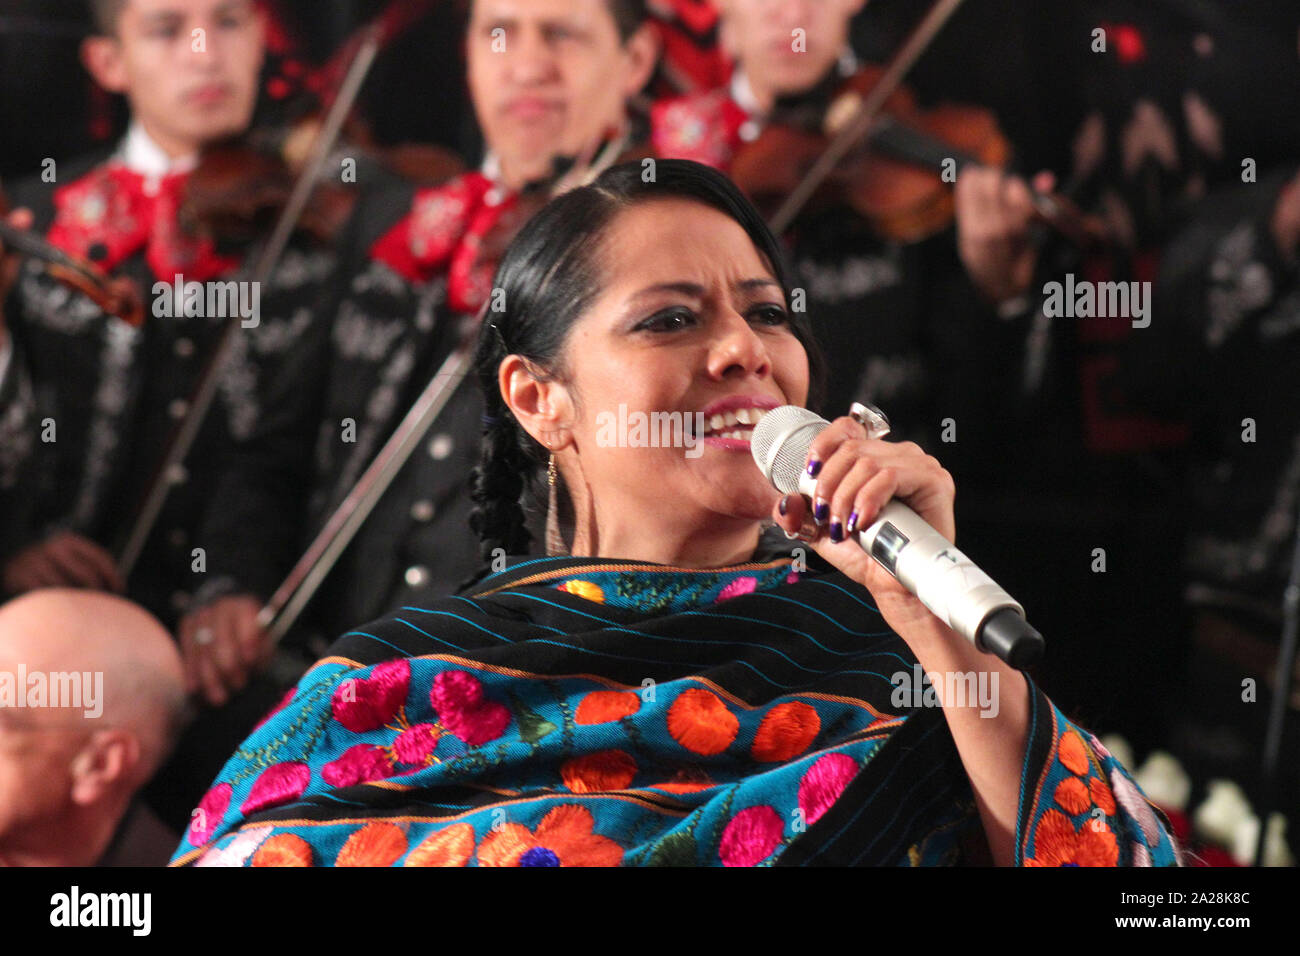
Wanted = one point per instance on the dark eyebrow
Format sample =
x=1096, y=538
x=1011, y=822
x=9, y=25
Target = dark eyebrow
x=695, y=290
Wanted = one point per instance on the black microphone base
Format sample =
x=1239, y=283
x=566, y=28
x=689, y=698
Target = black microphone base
x=1012, y=638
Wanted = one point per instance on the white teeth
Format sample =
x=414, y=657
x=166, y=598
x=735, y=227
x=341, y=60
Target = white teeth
x=716, y=422
x=730, y=417
x=742, y=416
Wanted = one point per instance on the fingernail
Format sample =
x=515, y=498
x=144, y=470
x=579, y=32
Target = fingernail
x=837, y=532
x=784, y=506
x=852, y=526
x=814, y=468
x=821, y=510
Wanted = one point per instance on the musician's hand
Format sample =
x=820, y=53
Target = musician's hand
x=994, y=212
x=858, y=476
x=221, y=646
x=19, y=219
x=63, y=560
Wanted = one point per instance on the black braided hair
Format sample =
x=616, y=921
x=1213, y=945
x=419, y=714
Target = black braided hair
x=547, y=279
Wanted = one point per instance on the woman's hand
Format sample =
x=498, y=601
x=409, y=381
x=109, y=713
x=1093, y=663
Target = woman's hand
x=856, y=477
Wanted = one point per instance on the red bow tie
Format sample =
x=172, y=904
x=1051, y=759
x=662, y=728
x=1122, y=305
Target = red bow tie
x=110, y=212
x=444, y=231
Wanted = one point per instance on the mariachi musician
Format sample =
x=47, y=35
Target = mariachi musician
x=890, y=314
x=88, y=400
x=548, y=79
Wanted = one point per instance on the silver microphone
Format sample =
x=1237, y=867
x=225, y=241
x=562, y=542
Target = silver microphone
x=947, y=582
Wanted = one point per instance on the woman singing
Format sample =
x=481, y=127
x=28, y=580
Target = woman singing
x=670, y=691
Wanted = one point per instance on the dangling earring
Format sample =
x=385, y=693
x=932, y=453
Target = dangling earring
x=551, y=472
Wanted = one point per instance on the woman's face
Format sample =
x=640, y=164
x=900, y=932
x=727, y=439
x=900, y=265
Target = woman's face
x=690, y=324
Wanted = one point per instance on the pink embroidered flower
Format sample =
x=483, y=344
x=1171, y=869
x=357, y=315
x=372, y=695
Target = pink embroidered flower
x=792, y=577
x=822, y=785
x=1141, y=856
x=207, y=815
x=414, y=744
x=458, y=698
x=358, y=764
x=736, y=588
x=1131, y=799
x=278, y=783
x=367, y=703
x=750, y=837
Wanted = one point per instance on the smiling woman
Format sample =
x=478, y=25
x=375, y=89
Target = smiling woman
x=671, y=692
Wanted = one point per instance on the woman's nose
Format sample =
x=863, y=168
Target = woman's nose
x=738, y=350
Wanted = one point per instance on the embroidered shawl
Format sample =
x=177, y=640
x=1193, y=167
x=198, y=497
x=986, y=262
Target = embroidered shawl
x=576, y=711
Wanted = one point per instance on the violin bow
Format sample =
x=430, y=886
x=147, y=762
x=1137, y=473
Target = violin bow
x=170, y=471
x=852, y=132
x=302, y=582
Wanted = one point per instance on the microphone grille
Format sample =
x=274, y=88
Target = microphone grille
x=780, y=444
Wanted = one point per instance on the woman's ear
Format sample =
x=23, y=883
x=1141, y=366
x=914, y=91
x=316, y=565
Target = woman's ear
x=540, y=404
x=102, y=58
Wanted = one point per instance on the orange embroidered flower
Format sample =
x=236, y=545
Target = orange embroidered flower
x=701, y=723
x=283, y=849
x=452, y=846
x=562, y=838
x=604, y=706
x=604, y=770
x=1073, y=753
x=1056, y=843
x=375, y=844
x=584, y=589
x=787, y=731
x=1102, y=796
x=1072, y=794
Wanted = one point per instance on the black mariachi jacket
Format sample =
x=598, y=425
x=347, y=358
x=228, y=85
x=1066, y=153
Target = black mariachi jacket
x=89, y=403
x=335, y=401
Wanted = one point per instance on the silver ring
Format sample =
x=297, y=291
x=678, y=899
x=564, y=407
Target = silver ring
x=204, y=636
x=870, y=418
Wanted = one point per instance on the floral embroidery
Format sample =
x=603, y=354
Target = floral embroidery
x=583, y=589
x=368, y=703
x=1135, y=805
x=458, y=698
x=359, y=764
x=750, y=837
x=283, y=849
x=1073, y=753
x=452, y=846
x=787, y=730
x=1057, y=844
x=276, y=785
x=1072, y=795
x=564, y=837
x=603, y=770
x=701, y=723
x=604, y=706
x=207, y=816
x=375, y=844
x=823, y=784
x=736, y=588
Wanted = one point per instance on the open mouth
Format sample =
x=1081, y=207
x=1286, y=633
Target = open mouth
x=736, y=424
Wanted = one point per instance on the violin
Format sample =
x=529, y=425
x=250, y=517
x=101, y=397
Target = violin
x=240, y=186
x=117, y=296
x=899, y=176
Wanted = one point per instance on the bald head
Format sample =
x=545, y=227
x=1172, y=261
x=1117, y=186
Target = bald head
x=127, y=665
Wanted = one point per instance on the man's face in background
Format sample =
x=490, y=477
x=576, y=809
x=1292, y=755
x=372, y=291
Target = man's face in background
x=190, y=68
x=548, y=77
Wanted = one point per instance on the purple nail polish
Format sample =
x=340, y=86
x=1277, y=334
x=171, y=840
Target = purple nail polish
x=852, y=526
x=837, y=532
x=784, y=506
x=821, y=512
x=814, y=468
